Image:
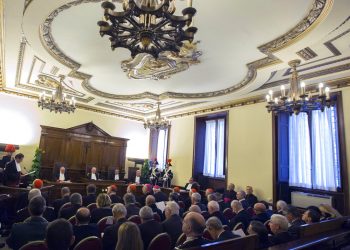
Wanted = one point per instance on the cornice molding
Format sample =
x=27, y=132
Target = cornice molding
x=318, y=12
x=2, y=36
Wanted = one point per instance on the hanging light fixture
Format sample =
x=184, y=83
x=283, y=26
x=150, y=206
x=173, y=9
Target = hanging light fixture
x=157, y=122
x=57, y=101
x=297, y=100
x=147, y=26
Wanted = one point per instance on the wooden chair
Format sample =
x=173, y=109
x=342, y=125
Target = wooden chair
x=73, y=220
x=103, y=223
x=205, y=214
x=157, y=217
x=181, y=239
x=34, y=245
x=92, y=206
x=238, y=226
x=136, y=219
x=228, y=214
x=207, y=235
x=160, y=242
x=89, y=243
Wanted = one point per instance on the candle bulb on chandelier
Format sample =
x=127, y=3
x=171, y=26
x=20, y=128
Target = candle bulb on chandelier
x=327, y=90
x=320, y=87
x=190, y=2
x=276, y=100
x=302, y=86
x=268, y=98
x=271, y=94
x=283, y=91
x=53, y=95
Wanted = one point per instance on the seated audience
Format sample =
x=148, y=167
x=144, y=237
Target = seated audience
x=130, y=204
x=112, y=192
x=250, y=197
x=116, y=175
x=259, y=229
x=158, y=194
x=59, y=235
x=230, y=194
x=173, y=222
x=146, y=190
x=216, y=230
x=241, y=215
x=129, y=237
x=214, y=211
x=281, y=207
x=149, y=227
x=311, y=216
x=61, y=175
x=267, y=206
x=195, y=209
x=208, y=191
x=279, y=228
x=193, y=226
x=151, y=202
x=241, y=198
x=110, y=236
x=90, y=195
x=196, y=200
x=37, y=183
x=188, y=185
x=176, y=197
x=293, y=216
x=76, y=202
x=57, y=204
x=131, y=189
x=103, y=209
x=260, y=213
x=83, y=228
x=328, y=212
x=93, y=175
x=31, y=229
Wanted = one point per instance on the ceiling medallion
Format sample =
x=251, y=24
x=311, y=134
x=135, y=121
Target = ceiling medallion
x=158, y=122
x=145, y=66
x=57, y=101
x=297, y=100
x=147, y=26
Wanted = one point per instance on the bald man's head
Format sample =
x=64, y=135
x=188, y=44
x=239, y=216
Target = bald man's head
x=193, y=224
x=195, y=208
x=83, y=216
x=259, y=208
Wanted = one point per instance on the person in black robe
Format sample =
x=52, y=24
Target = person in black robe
x=154, y=173
x=13, y=171
x=167, y=175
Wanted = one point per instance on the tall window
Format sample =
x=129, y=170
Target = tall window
x=214, y=151
x=314, y=150
x=162, y=148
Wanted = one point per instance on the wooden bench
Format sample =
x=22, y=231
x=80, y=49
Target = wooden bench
x=328, y=234
x=244, y=243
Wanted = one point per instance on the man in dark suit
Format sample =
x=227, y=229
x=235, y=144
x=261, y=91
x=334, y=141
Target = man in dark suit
x=250, y=197
x=110, y=236
x=13, y=171
x=146, y=190
x=76, y=203
x=83, y=229
x=241, y=215
x=149, y=227
x=173, y=223
x=57, y=204
x=260, y=213
x=93, y=175
x=131, y=208
x=241, y=198
x=112, y=192
x=230, y=194
x=59, y=235
x=61, y=175
x=90, y=195
x=196, y=200
x=293, y=216
x=151, y=202
x=31, y=229
x=216, y=230
x=214, y=211
x=193, y=226
x=159, y=195
x=279, y=228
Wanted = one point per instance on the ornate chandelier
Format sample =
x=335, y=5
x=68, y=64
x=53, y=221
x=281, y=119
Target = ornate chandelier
x=157, y=122
x=57, y=101
x=297, y=100
x=147, y=26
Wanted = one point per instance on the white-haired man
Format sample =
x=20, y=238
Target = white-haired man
x=279, y=227
x=216, y=230
x=196, y=200
x=173, y=223
x=241, y=215
x=214, y=211
x=149, y=228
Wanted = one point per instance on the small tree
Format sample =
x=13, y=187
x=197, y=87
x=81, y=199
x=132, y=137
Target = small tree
x=36, y=164
x=144, y=171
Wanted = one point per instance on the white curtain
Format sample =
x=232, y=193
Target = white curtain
x=162, y=148
x=299, y=151
x=210, y=148
x=219, y=170
x=325, y=153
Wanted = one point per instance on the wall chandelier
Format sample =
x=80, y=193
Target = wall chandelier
x=297, y=100
x=147, y=26
x=157, y=122
x=57, y=101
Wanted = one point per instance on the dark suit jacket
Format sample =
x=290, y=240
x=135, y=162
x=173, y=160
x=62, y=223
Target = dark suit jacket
x=99, y=213
x=157, y=210
x=23, y=214
x=84, y=231
x=89, y=199
x=149, y=230
x=244, y=203
x=231, y=195
x=56, y=176
x=193, y=243
x=5, y=159
x=220, y=216
x=57, y=204
x=31, y=229
x=263, y=217
x=295, y=227
x=160, y=196
x=201, y=206
x=173, y=226
x=68, y=212
x=11, y=173
x=116, y=199
x=89, y=176
x=227, y=235
x=132, y=209
x=242, y=217
x=251, y=199
x=110, y=236
x=280, y=238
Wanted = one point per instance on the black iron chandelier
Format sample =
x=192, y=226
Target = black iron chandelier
x=147, y=26
x=57, y=101
x=297, y=100
x=158, y=122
